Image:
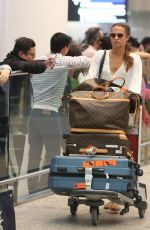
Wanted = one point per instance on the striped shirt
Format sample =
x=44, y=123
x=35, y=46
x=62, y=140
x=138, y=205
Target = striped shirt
x=48, y=87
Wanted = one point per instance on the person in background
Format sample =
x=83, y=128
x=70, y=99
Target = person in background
x=5, y=71
x=75, y=76
x=92, y=41
x=134, y=44
x=145, y=57
x=106, y=43
x=22, y=57
x=146, y=44
x=44, y=129
x=119, y=62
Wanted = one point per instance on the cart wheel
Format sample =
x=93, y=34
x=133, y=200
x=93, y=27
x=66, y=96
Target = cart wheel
x=94, y=214
x=141, y=212
x=139, y=198
x=73, y=209
x=139, y=172
x=137, y=166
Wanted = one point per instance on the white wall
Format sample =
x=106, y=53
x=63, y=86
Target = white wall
x=37, y=19
x=139, y=18
x=139, y=5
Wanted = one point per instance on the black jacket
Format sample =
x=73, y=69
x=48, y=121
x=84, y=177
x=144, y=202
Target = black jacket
x=16, y=63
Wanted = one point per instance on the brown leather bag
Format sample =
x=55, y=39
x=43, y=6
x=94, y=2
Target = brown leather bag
x=101, y=109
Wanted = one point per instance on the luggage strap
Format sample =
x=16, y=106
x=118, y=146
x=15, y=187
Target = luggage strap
x=82, y=130
x=123, y=151
x=93, y=151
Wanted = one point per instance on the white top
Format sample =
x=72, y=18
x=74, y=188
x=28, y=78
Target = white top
x=89, y=51
x=133, y=77
x=48, y=87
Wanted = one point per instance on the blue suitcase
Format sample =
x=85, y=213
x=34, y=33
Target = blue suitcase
x=109, y=173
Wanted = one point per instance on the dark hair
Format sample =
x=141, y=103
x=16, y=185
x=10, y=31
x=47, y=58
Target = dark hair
x=106, y=43
x=59, y=41
x=74, y=49
x=133, y=42
x=23, y=44
x=145, y=41
x=91, y=35
x=126, y=57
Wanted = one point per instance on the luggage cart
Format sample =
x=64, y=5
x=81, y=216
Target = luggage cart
x=95, y=198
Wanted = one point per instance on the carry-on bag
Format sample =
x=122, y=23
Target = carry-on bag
x=104, y=105
x=108, y=173
x=101, y=109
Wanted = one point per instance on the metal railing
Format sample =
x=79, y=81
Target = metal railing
x=14, y=182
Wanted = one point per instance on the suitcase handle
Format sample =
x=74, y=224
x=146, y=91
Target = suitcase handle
x=106, y=95
x=93, y=151
x=61, y=169
x=101, y=170
x=106, y=89
x=82, y=169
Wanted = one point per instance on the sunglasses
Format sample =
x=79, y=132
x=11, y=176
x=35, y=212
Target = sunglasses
x=113, y=35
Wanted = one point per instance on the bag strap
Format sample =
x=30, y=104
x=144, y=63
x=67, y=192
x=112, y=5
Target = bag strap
x=101, y=64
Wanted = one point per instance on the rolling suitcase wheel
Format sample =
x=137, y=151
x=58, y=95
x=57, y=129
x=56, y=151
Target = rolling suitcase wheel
x=94, y=214
x=141, y=212
x=73, y=203
x=73, y=209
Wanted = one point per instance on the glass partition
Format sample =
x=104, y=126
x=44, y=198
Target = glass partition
x=146, y=112
x=36, y=133
x=4, y=130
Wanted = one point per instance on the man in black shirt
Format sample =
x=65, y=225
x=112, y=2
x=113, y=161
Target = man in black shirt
x=22, y=57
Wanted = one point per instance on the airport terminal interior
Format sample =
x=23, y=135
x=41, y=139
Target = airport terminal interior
x=31, y=142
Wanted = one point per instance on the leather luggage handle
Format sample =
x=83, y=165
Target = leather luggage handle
x=93, y=151
x=106, y=95
x=100, y=88
x=105, y=89
x=111, y=83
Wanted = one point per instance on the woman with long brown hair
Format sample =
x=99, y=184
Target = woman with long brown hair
x=119, y=61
